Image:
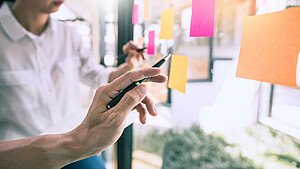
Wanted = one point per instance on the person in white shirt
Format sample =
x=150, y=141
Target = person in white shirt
x=99, y=129
x=42, y=61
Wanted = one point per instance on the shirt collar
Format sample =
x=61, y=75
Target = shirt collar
x=52, y=24
x=13, y=28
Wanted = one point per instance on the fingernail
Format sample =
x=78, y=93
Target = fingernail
x=155, y=68
x=156, y=112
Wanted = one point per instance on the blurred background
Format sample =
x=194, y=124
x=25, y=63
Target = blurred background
x=221, y=121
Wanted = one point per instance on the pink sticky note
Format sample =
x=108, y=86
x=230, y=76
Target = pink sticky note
x=135, y=16
x=203, y=18
x=151, y=46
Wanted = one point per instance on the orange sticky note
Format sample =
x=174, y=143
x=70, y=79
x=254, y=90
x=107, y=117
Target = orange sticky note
x=167, y=22
x=178, y=73
x=270, y=47
x=140, y=41
x=146, y=9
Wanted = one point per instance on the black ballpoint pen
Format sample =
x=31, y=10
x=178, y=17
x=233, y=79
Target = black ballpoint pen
x=134, y=84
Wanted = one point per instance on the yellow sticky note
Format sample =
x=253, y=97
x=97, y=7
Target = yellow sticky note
x=167, y=22
x=178, y=73
x=146, y=9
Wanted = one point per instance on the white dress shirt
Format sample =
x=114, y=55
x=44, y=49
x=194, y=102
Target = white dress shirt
x=39, y=76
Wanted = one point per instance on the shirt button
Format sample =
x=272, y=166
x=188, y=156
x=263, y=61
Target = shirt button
x=50, y=90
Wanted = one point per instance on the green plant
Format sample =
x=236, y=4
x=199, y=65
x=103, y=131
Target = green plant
x=193, y=149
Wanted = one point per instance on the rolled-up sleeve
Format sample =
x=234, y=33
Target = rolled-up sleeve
x=92, y=73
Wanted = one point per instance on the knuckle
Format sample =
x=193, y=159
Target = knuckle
x=132, y=76
x=130, y=97
x=140, y=74
x=115, y=118
x=128, y=74
x=100, y=89
x=142, y=89
x=110, y=120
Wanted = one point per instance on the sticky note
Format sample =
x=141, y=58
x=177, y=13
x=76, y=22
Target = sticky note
x=135, y=16
x=167, y=22
x=203, y=18
x=140, y=41
x=146, y=9
x=270, y=46
x=178, y=73
x=151, y=45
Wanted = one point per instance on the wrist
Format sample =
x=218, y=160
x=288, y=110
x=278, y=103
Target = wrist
x=76, y=138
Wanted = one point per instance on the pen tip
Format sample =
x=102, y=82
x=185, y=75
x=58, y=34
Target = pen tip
x=168, y=57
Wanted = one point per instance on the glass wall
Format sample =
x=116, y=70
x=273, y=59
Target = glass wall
x=150, y=140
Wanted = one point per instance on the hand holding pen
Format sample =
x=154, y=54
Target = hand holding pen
x=116, y=100
x=131, y=47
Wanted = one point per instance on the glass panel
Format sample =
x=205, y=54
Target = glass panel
x=286, y=105
x=197, y=49
x=158, y=92
x=151, y=139
x=229, y=27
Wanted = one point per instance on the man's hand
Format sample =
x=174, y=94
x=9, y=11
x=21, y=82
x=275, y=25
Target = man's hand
x=134, y=58
x=99, y=129
x=103, y=127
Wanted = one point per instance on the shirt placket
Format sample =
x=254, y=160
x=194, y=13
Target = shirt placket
x=47, y=90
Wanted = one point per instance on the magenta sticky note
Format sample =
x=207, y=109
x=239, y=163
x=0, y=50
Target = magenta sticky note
x=203, y=18
x=151, y=45
x=135, y=16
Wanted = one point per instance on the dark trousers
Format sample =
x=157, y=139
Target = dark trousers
x=94, y=162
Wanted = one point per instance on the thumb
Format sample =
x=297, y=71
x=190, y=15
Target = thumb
x=131, y=99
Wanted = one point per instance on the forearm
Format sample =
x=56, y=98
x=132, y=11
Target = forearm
x=47, y=151
x=123, y=68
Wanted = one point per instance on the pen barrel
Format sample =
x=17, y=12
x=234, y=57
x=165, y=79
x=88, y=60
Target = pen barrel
x=117, y=99
x=158, y=64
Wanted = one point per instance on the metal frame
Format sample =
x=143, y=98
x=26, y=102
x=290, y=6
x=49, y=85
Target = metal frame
x=125, y=33
x=265, y=111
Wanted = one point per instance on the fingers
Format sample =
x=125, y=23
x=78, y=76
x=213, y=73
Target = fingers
x=131, y=99
x=150, y=105
x=129, y=46
x=142, y=55
x=134, y=59
x=143, y=113
x=158, y=79
x=124, y=81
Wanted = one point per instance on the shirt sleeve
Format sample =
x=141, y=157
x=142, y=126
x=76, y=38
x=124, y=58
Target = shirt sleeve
x=91, y=73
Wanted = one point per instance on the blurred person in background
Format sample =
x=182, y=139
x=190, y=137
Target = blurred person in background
x=42, y=61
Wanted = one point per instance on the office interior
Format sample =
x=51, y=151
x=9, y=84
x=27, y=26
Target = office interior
x=221, y=120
